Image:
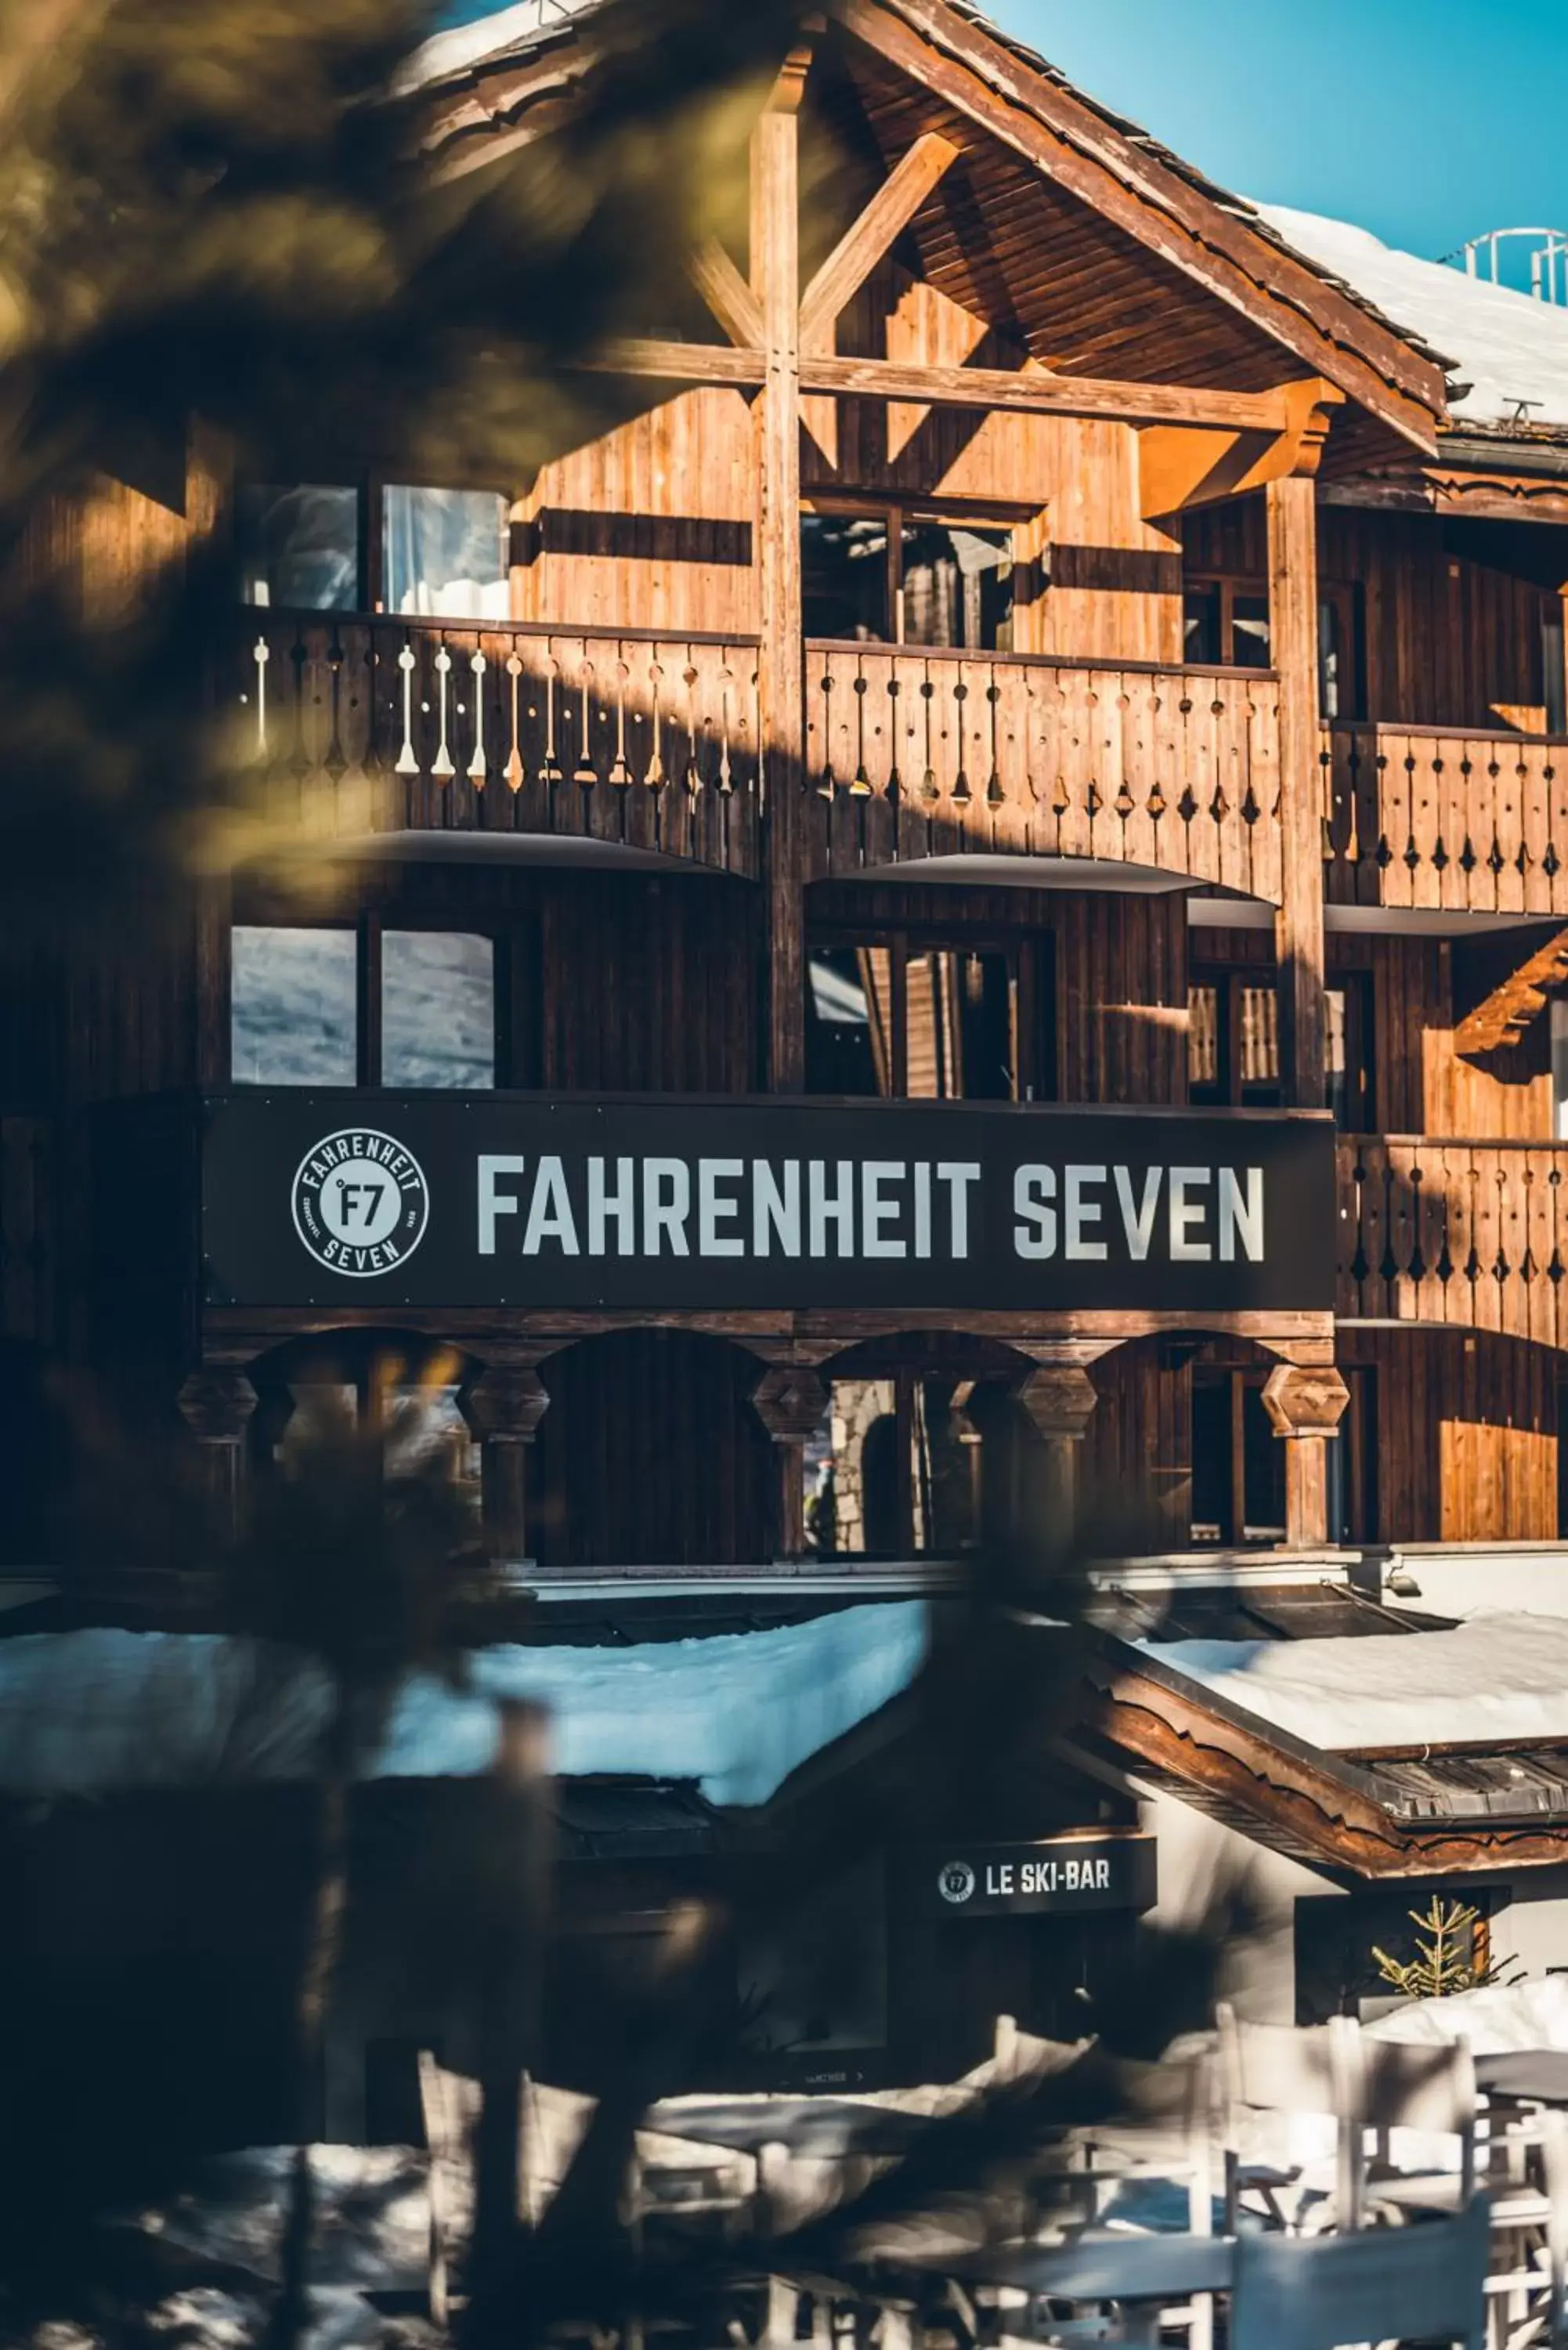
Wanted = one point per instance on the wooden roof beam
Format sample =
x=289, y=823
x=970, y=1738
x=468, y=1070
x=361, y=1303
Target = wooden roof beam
x=727, y=295
x=1028, y=391
x=863, y=245
x=969, y=67
x=1501, y=1018
x=1187, y=466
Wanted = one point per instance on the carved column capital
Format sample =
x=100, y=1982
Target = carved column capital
x=216, y=1404
x=790, y=1400
x=505, y=1404
x=1305, y=1402
x=1059, y=1400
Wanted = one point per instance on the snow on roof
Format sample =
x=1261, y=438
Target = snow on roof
x=1502, y=348
x=464, y=46
x=1498, y=1676
x=82, y=1712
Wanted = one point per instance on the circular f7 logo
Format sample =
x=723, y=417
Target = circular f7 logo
x=360, y=1202
x=956, y=1882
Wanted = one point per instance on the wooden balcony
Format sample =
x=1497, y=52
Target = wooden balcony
x=1437, y=817
x=384, y=724
x=915, y=753
x=1468, y=1234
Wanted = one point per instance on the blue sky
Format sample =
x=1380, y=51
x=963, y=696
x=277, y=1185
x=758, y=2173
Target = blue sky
x=1424, y=120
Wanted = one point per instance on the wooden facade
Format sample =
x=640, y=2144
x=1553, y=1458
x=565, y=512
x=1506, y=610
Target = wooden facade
x=1215, y=799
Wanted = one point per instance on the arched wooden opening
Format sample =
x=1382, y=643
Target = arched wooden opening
x=402, y=1383
x=923, y=1449
x=650, y=1454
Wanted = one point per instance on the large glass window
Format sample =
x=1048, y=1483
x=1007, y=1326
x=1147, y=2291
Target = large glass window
x=903, y=1017
x=299, y=545
x=899, y=578
x=444, y=553
x=845, y=577
x=1226, y=624
x=438, y=1010
x=955, y=585
x=319, y=546
x=308, y=1003
x=294, y=1007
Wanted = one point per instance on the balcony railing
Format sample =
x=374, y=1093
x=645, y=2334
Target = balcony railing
x=1437, y=817
x=915, y=753
x=1474, y=1233
x=384, y=724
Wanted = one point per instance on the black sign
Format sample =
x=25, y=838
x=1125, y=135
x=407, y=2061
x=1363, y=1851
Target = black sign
x=496, y=1200
x=1067, y=1873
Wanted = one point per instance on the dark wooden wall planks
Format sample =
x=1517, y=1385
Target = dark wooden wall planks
x=1446, y=640
x=650, y=1454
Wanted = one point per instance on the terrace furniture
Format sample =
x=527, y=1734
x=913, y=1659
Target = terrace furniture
x=1422, y=2283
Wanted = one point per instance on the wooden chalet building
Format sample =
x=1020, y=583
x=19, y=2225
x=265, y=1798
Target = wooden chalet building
x=957, y=908
x=1034, y=639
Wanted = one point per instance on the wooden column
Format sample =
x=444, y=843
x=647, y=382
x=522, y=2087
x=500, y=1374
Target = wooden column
x=1306, y=1407
x=1299, y=935
x=1059, y=1400
x=503, y=1408
x=216, y=1404
x=790, y=1401
x=775, y=281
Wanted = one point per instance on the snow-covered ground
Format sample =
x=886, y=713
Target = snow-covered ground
x=81, y=1712
x=1495, y=1677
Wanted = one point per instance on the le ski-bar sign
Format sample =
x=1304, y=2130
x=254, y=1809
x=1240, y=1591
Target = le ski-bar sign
x=620, y=1205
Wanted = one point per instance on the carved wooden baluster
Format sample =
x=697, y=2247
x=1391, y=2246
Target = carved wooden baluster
x=620, y=772
x=443, y=766
x=477, y=769
x=585, y=773
x=860, y=782
x=261, y=655
x=551, y=772
x=828, y=783
x=406, y=763
x=995, y=796
x=656, y=777
x=726, y=686
x=335, y=761
x=513, y=768
x=693, y=771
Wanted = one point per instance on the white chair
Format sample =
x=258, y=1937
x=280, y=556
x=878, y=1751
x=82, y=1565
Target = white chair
x=1273, y=2070
x=1422, y=2283
x=1410, y=2085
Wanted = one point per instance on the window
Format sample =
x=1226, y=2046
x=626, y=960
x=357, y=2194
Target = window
x=299, y=545
x=845, y=577
x=1226, y=626
x=908, y=1018
x=294, y=998
x=438, y=1010
x=317, y=547
x=1238, y=1462
x=362, y=1006
x=899, y=577
x=444, y=552
x=1347, y=1014
x=1233, y=1043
